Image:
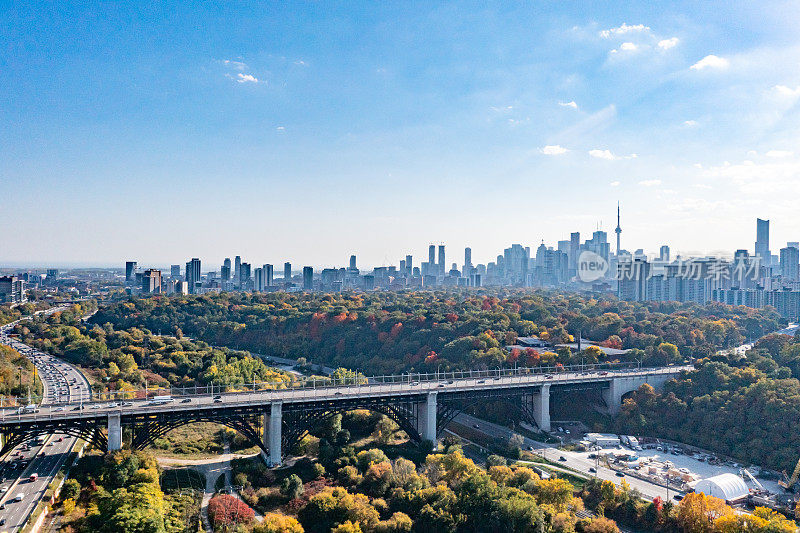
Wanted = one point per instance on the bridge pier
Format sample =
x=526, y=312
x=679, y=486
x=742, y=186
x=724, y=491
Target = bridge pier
x=618, y=387
x=274, y=435
x=114, y=432
x=541, y=408
x=426, y=415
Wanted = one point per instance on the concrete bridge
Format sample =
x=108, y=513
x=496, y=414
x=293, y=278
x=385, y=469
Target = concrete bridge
x=421, y=404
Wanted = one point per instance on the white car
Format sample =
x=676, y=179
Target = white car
x=58, y=409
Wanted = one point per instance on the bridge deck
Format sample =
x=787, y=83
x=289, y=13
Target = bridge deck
x=99, y=410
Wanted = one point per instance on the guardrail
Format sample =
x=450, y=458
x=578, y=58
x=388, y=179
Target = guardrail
x=348, y=381
x=245, y=398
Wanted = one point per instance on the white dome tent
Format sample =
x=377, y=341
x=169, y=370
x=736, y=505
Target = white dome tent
x=728, y=487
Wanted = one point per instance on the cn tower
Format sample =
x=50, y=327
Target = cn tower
x=618, y=231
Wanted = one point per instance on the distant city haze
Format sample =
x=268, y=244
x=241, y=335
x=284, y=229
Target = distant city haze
x=296, y=134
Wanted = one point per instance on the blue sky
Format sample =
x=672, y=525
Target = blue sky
x=309, y=131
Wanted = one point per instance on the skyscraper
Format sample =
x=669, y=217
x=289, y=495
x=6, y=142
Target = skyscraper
x=308, y=278
x=574, y=249
x=227, y=263
x=762, y=241
x=287, y=272
x=225, y=272
x=467, y=270
x=151, y=281
x=409, y=265
x=130, y=270
x=258, y=280
x=618, y=231
x=237, y=267
x=353, y=262
x=268, y=275
x=193, y=274
x=790, y=263
x=432, y=255
x=441, y=260
x=663, y=253
x=244, y=276
x=175, y=271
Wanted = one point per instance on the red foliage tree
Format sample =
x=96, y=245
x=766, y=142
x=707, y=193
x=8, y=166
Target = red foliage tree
x=228, y=510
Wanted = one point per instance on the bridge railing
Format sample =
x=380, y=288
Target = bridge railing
x=356, y=381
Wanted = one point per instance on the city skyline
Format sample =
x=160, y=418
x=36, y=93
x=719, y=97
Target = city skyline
x=215, y=261
x=252, y=131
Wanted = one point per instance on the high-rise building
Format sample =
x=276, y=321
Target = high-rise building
x=432, y=254
x=308, y=278
x=441, y=260
x=409, y=265
x=12, y=290
x=237, y=267
x=193, y=275
x=790, y=263
x=663, y=254
x=287, y=272
x=467, y=270
x=268, y=275
x=574, y=249
x=175, y=271
x=151, y=281
x=244, y=275
x=225, y=273
x=130, y=270
x=258, y=280
x=762, y=241
x=353, y=262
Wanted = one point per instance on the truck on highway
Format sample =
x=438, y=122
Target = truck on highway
x=159, y=400
x=33, y=477
x=30, y=408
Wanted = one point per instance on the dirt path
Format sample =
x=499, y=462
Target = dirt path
x=212, y=468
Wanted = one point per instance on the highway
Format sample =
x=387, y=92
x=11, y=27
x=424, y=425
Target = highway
x=62, y=383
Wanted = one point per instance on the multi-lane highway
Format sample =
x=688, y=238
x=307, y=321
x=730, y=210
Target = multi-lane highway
x=62, y=383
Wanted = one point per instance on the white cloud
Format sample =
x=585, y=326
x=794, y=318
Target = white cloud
x=505, y=109
x=246, y=78
x=301, y=63
x=666, y=44
x=690, y=123
x=553, y=149
x=238, y=65
x=779, y=153
x=623, y=29
x=711, y=61
x=280, y=129
x=607, y=155
x=614, y=184
x=628, y=47
x=603, y=154
x=571, y=104
x=787, y=92
x=650, y=183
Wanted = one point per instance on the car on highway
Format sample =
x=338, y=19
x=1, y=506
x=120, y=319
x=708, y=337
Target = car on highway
x=186, y=400
x=619, y=474
x=562, y=459
x=592, y=469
